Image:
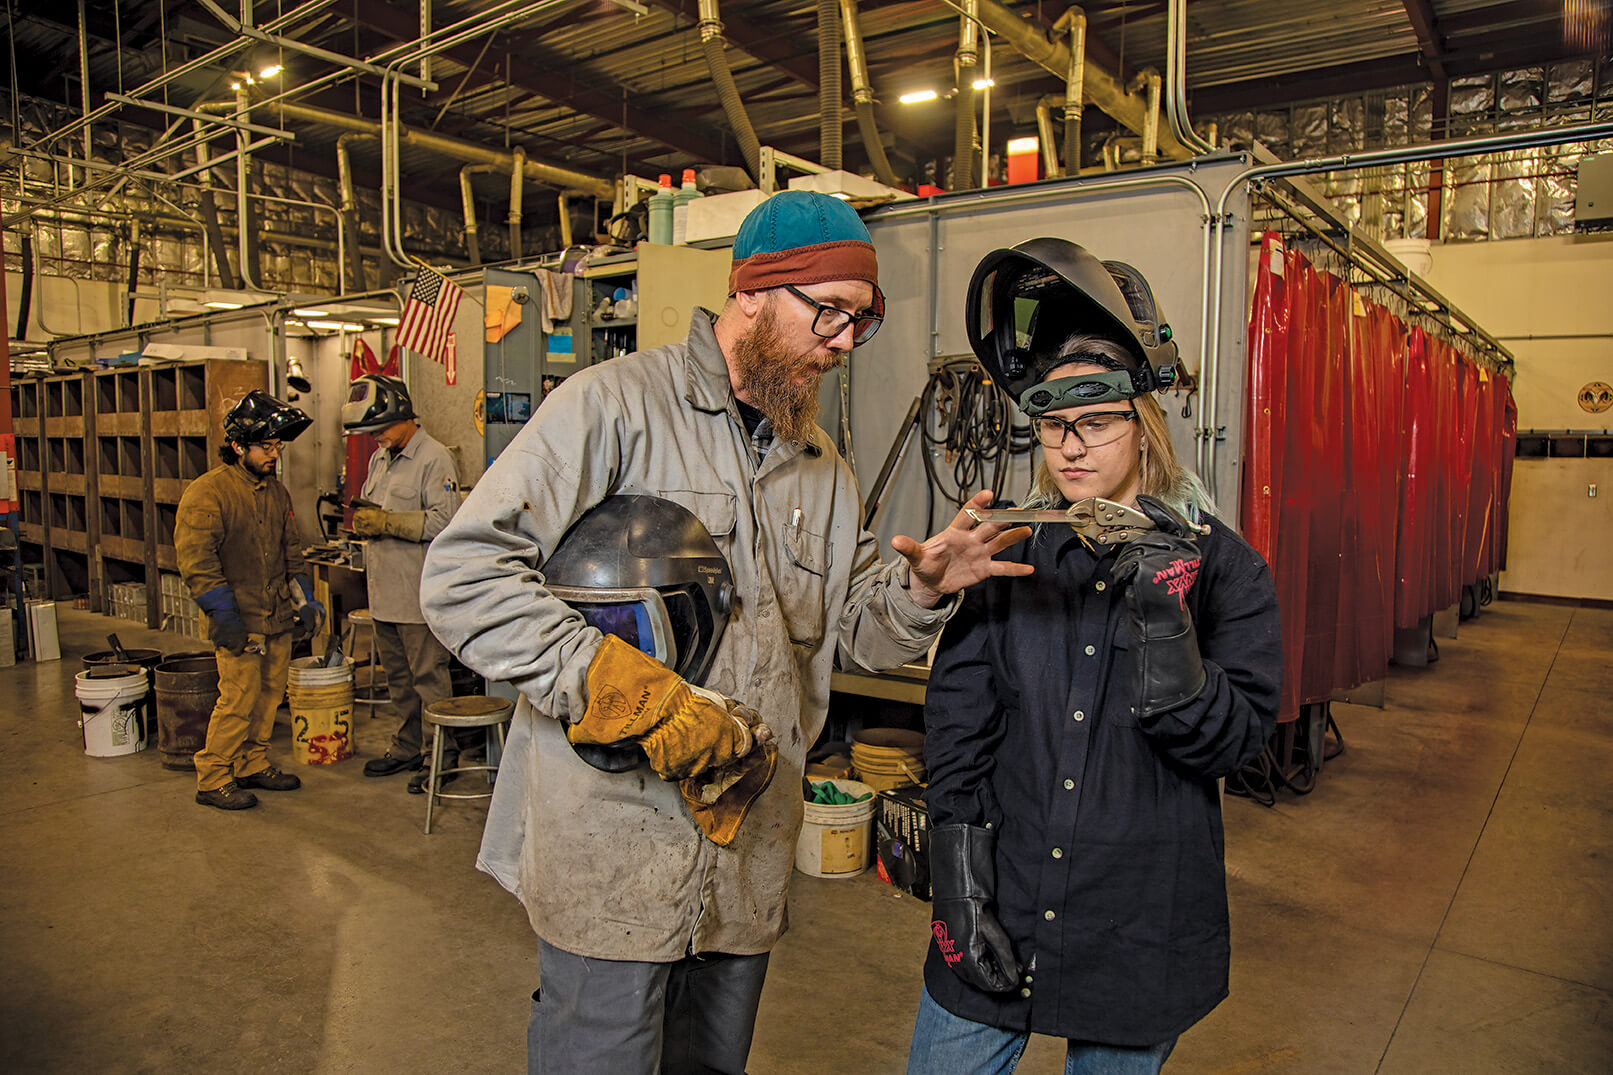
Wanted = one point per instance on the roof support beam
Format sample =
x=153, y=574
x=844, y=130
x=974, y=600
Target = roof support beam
x=534, y=75
x=1429, y=38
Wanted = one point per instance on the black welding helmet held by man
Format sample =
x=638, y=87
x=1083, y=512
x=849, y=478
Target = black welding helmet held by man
x=1024, y=302
x=646, y=570
x=259, y=418
x=374, y=402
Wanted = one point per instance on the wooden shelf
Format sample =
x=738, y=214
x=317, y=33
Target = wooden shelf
x=103, y=458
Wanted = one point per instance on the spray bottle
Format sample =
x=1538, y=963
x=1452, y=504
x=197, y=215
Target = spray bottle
x=680, y=206
x=661, y=213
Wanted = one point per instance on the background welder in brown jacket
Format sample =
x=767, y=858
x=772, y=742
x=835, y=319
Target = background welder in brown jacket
x=240, y=554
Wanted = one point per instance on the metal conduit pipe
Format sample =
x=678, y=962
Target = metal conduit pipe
x=862, y=95
x=712, y=44
x=1073, y=24
x=1099, y=87
x=830, y=123
x=467, y=198
x=519, y=162
x=134, y=271
x=1176, y=78
x=565, y=221
x=247, y=232
x=963, y=131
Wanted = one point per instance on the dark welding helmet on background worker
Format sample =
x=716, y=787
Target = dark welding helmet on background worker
x=260, y=418
x=647, y=571
x=375, y=402
x=1024, y=302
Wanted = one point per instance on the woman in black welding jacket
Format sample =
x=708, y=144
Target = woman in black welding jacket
x=1077, y=721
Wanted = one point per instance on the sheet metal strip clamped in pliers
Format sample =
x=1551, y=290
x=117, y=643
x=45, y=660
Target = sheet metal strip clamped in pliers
x=1100, y=521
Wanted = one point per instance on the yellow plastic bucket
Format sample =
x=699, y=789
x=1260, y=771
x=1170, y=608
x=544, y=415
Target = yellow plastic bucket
x=321, y=723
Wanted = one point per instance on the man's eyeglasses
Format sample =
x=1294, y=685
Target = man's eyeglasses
x=271, y=447
x=831, y=321
x=1092, y=430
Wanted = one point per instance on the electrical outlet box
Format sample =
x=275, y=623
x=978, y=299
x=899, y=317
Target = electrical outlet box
x=1593, y=199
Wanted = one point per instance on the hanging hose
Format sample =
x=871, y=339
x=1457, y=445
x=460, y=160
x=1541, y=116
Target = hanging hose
x=829, y=117
x=971, y=423
x=711, y=43
x=26, y=299
x=862, y=95
x=963, y=134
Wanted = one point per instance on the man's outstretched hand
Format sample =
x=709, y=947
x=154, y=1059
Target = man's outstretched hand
x=961, y=555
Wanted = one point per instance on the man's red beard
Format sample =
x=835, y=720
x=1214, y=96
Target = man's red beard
x=767, y=373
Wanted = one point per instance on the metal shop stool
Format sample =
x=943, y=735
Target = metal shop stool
x=365, y=693
x=471, y=711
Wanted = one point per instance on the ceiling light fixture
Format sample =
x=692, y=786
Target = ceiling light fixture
x=918, y=97
x=309, y=311
x=385, y=320
x=220, y=304
x=982, y=83
x=270, y=71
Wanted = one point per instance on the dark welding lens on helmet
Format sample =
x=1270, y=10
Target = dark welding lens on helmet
x=638, y=617
x=1108, y=387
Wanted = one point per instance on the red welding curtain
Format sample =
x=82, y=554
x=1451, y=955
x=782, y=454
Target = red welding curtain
x=1376, y=471
x=361, y=446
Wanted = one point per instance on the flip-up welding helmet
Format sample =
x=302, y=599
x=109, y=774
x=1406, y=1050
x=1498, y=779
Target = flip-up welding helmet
x=259, y=418
x=1024, y=302
x=374, y=402
x=646, y=570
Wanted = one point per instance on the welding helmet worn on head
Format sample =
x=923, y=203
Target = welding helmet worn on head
x=374, y=402
x=1024, y=302
x=646, y=570
x=259, y=418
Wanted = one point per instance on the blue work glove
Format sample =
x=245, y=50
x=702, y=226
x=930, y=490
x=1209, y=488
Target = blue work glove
x=227, y=630
x=312, y=613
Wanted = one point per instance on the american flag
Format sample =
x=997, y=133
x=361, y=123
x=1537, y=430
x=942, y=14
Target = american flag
x=428, y=316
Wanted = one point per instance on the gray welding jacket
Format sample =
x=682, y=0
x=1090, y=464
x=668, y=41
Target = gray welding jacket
x=419, y=477
x=610, y=865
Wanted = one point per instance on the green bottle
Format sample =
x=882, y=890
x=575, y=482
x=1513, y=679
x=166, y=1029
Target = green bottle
x=661, y=213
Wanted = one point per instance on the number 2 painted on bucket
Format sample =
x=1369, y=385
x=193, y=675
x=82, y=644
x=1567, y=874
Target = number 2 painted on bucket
x=299, y=727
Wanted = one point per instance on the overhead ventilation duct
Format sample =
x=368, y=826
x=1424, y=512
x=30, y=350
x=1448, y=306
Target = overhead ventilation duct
x=516, y=169
x=1099, y=87
x=963, y=142
x=1073, y=25
x=347, y=217
x=830, y=122
x=712, y=44
x=467, y=197
x=862, y=95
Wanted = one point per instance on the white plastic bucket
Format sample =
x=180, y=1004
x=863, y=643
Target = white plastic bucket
x=834, y=840
x=109, y=701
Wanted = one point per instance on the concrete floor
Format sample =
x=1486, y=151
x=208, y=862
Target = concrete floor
x=1441, y=903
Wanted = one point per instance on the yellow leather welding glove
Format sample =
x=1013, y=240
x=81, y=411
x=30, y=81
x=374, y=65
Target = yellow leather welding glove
x=719, y=805
x=685, y=730
x=376, y=522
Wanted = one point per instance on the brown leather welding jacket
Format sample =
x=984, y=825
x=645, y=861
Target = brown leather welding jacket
x=237, y=530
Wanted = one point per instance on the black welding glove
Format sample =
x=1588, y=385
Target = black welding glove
x=1156, y=570
x=963, y=886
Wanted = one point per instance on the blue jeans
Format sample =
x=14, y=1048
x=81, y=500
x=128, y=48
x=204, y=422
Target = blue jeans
x=947, y=1044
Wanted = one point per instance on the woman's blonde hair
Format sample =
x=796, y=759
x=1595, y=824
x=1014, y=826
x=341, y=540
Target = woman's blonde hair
x=1163, y=476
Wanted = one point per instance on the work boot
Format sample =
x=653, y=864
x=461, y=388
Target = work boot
x=390, y=763
x=270, y=779
x=417, y=782
x=228, y=797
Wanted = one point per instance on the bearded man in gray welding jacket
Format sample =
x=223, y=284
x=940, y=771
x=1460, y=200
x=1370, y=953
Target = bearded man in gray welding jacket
x=656, y=904
x=409, y=494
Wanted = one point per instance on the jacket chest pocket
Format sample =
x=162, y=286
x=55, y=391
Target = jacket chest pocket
x=800, y=584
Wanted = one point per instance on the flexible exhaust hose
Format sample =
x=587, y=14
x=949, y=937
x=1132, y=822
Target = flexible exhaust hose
x=963, y=143
x=830, y=121
x=872, y=145
x=711, y=43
